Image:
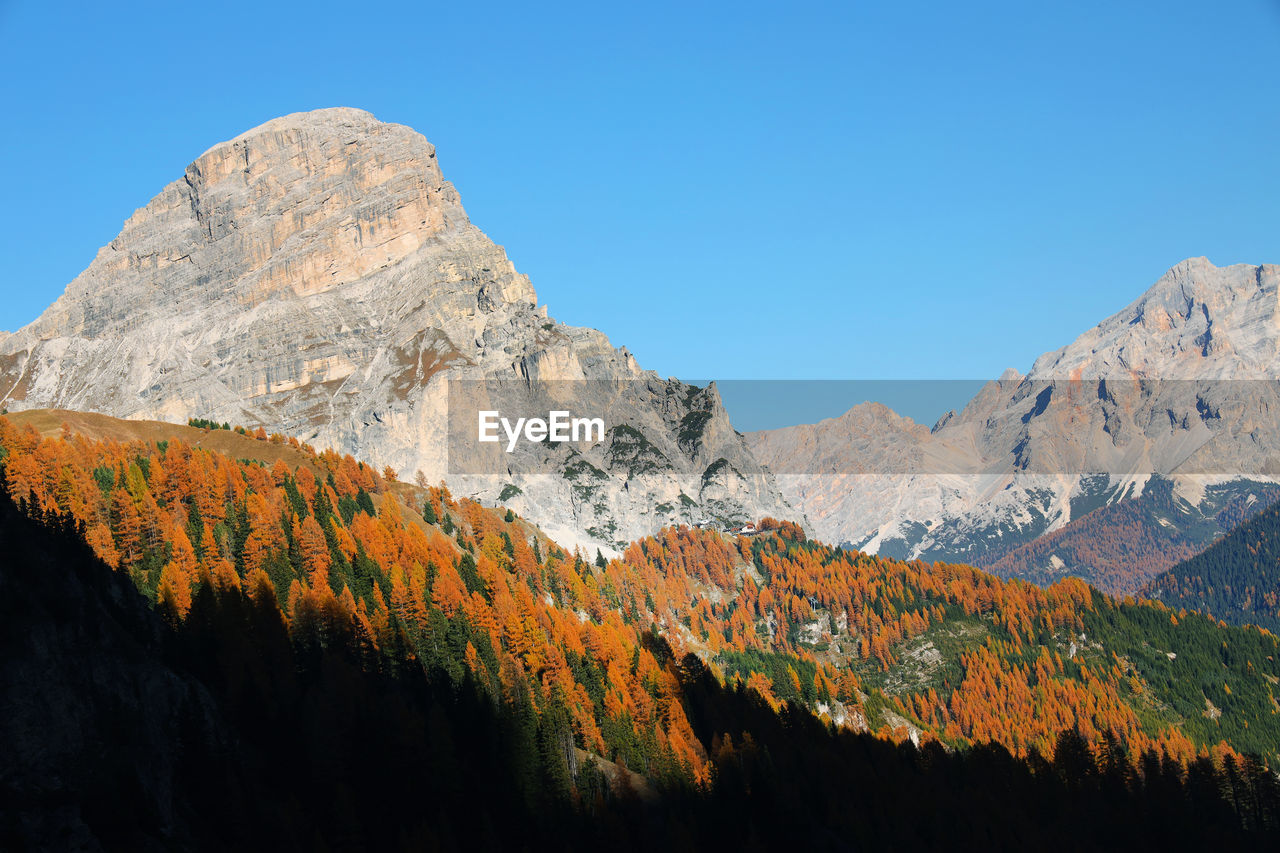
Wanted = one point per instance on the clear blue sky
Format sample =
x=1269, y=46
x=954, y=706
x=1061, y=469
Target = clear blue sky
x=733, y=190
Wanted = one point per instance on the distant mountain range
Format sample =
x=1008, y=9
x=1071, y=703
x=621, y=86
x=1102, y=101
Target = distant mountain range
x=1171, y=401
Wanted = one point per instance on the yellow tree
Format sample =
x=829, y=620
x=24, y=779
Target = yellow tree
x=316, y=560
x=178, y=574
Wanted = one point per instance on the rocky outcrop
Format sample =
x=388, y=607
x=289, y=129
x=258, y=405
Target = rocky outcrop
x=1198, y=322
x=319, y=277
x=1178, y=386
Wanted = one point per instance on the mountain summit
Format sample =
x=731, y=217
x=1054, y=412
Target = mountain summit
x=1172, y=399
x=1197, y=322
x=318, y=276
x=270, y=281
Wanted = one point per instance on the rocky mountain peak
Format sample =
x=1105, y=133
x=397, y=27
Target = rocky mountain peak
x=1197, y=321
x=1194, y=291
x=299, y=206
x=350, y=118
x=318, y=276
x=1028, y=454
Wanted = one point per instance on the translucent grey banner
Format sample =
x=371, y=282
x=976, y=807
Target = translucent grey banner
x=598, y=427
x=1218, y=428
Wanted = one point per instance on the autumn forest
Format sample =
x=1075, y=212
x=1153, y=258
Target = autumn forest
x=324, y=608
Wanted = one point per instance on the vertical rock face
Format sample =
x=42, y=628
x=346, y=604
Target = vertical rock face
x=318, y=276
x=1179, y=386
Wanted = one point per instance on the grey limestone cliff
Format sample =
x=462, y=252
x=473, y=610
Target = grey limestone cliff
x=1179, y=386
x=318, y=276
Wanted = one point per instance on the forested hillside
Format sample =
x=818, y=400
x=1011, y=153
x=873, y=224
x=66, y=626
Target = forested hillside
x=235, y=729
x=1237, y=579
x=1120, y=547
x=330, y=570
